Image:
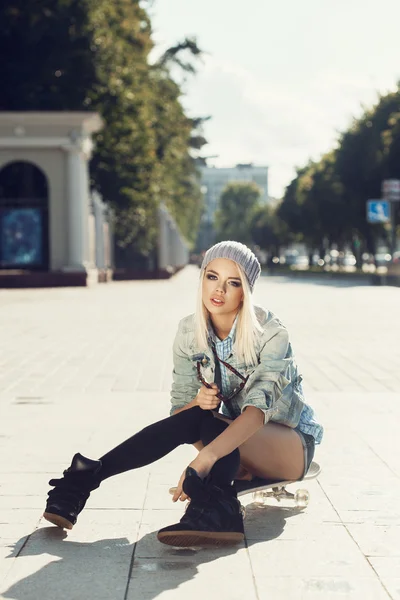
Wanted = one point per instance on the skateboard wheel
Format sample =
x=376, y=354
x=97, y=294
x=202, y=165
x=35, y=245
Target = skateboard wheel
x=259, y=497
x=302, y=498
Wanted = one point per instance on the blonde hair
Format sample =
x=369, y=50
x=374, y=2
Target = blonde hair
x=248, y=328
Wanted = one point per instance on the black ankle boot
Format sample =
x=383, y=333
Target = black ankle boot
x=70, y=493
x=213, y=516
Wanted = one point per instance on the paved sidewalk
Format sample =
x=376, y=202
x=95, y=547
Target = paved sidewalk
x=82, y=369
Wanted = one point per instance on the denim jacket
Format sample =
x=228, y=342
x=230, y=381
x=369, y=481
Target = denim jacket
x=274, y=383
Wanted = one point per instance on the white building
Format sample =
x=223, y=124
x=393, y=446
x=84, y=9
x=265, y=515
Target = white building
x=51, y=231
x=215, y=179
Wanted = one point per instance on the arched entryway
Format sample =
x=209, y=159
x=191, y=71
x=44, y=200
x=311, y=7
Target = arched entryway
x=24, y=217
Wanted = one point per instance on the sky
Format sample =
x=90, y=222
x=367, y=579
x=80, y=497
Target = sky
x=281, y=78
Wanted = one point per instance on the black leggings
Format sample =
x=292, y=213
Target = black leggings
x=157, y=440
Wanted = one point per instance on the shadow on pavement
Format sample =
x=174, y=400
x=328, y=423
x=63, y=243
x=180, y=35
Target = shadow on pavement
x=266, y=523
x=69, y=570
x=104, y=569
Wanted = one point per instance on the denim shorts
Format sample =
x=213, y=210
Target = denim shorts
x=308, y=447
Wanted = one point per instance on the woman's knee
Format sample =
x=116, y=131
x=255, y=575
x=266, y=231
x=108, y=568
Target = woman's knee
x=188, y=424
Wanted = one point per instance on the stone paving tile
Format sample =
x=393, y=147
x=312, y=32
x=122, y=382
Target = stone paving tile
x=328, y=588
x=392, y=586
x=55, y=565
x=388, y=569
x=376, y=540
x=300, y=555
x=160, y=570
x=227, y=577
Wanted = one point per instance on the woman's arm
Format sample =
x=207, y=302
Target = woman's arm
x=271, y=376
x=232, y=437
x=206, y=398
x=240, y=430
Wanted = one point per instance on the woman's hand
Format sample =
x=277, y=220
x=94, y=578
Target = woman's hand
x=202, y=464
x=207, y=397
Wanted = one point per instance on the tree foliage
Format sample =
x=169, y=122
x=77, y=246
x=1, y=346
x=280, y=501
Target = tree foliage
x=94, y=55
x=237, y=206
x=268, y=231
x=327, y=198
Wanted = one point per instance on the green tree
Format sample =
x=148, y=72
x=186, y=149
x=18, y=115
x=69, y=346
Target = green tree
x=368, y=153
x=47, y=58
x=234, y=217
x=391, y=155
x=268, y=231
x=327, y=198
x=290, y=210
x=326, y=213
x=176, y=177
x=94, y=55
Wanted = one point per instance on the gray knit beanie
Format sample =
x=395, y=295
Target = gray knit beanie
x=240, y=254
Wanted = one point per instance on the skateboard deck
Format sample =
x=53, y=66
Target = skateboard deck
x=270, y=488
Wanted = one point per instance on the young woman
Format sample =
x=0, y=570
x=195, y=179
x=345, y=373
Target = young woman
x=236, y=396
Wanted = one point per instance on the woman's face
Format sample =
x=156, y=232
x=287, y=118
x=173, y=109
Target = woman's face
x=222, y=287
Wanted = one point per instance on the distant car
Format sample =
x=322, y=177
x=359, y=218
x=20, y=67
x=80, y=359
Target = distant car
x=317, y=261
x=349, y=260
x=331, y=258
x=367, y=258
x=290, y=258
x=396, y=257
x=301, y=261
x=382, y=259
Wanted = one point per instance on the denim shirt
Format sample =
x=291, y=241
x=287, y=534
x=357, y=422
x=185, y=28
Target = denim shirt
x=274, y=384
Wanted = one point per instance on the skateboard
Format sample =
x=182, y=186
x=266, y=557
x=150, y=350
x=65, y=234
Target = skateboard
x=262, y=489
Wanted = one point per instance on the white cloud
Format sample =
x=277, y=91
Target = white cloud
x=280, y=123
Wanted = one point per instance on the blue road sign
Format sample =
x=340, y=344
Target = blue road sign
x=378, y=211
